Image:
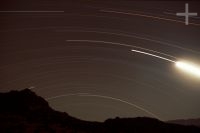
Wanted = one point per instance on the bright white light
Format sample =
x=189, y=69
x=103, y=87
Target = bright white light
x=160, y=57
x=188, y=68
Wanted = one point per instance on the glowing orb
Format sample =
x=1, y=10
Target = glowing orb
x=190, y=68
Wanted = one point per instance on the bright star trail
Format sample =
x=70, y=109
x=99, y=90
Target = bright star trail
x=130, y=57
x=187, y=67
x=194, y=70
x=163, y=58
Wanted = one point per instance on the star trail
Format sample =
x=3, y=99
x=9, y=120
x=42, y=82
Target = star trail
x=102, y=59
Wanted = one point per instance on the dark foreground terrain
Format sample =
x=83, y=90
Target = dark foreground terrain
x=24, y=111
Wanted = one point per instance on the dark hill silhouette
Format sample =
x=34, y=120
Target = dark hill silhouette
x=24, y=111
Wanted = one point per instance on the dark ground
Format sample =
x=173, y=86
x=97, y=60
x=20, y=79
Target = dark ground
x=25, y=112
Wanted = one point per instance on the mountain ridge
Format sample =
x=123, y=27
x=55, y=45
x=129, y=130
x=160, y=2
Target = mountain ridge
x=24, y=111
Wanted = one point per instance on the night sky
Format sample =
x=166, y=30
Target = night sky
x=77, y=55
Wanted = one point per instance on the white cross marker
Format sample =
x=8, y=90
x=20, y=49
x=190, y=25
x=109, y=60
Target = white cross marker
x=186, y=14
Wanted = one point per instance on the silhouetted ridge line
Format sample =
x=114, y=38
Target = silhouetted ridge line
x=25, y=112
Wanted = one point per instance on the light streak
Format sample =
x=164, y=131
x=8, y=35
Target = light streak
x=147, y=16
x=32, y=11
x=121, y=44
x=160, y=57
x=106, y=97
x=190, y=68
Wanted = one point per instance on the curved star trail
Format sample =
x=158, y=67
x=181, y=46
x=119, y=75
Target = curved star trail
x=120, y=53
x=131, y=46
x=106, y=97
x=147, y=16
x=128, y=35
x=163, y=58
